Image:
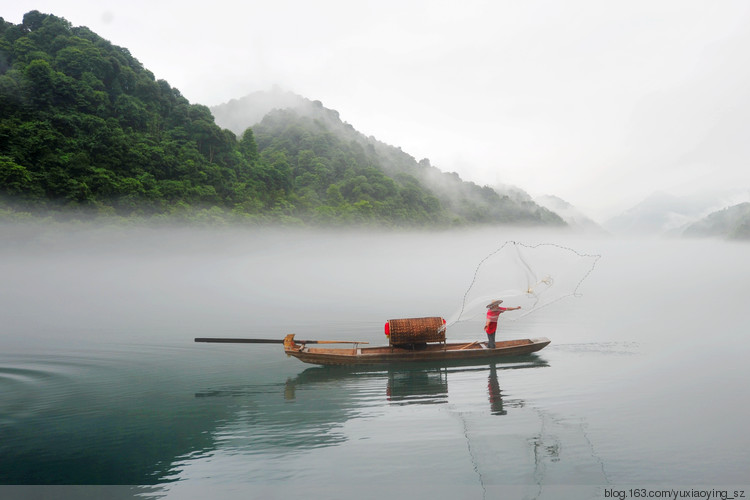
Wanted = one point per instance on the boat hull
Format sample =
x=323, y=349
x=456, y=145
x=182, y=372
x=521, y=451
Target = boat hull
x=429, y=353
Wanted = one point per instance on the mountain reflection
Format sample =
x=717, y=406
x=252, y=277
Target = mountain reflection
x=75, y=421
x=99, y=431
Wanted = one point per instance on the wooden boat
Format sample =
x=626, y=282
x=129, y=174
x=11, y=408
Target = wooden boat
x=463, y=351
x=410, y=340
x=429, y=352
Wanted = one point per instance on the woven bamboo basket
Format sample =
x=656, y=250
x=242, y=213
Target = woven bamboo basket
x=416, y=330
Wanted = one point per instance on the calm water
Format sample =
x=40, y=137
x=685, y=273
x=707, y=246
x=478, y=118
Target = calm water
x=645, y=383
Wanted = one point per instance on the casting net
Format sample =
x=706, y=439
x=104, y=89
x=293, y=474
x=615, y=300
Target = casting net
x=530, y=276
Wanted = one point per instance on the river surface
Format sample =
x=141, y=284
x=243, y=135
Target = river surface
x=643, y=388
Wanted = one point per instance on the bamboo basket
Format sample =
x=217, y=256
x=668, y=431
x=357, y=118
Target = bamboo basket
x=416, y=330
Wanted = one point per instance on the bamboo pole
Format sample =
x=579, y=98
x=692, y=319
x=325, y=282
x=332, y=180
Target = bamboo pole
x=273, y=341
x=469, y=345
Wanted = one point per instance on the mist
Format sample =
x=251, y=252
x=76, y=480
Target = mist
x=99, y=283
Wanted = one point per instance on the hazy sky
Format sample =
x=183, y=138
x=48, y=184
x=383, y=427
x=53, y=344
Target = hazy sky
x=600, y=103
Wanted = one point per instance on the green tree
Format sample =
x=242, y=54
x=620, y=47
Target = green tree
x=16, y=179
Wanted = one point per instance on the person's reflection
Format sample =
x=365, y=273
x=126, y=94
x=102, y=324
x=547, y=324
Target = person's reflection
x=493, y=388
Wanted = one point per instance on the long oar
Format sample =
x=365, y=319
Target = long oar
x=274, y=341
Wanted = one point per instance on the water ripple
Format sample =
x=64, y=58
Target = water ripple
x=611, y=348
x=29, y=386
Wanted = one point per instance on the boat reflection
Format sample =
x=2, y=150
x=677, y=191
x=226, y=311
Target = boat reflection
x=417, y=387
x=414, y=384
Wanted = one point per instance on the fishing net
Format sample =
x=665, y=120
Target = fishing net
x=530, y=276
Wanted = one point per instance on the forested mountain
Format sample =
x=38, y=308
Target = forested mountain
x=313, y=138
x=83, y=125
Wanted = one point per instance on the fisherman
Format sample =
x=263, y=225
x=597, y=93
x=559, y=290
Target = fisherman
x=493, y=313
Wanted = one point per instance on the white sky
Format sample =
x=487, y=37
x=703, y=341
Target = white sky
x=598, y=102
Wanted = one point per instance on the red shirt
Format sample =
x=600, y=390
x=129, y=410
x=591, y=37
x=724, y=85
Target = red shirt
x=492, y=316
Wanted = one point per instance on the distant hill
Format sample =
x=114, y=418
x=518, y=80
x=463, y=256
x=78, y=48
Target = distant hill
x=664, y=214
x=239, y=114
x=732, y=223
x=273, y=114
x=576, y=219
